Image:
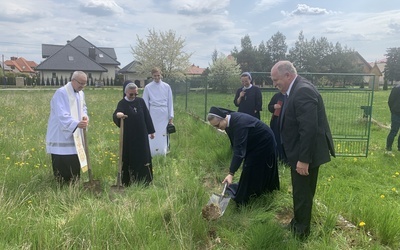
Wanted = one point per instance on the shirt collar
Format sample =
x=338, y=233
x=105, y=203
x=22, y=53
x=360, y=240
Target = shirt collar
x=228, y=120
x=290, y=87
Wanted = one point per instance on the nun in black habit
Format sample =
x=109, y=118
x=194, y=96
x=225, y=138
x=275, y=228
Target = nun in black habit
x=136, y=156
x=254, y=144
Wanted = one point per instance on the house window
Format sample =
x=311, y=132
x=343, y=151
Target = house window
x=70, y=58
x=53, y=75
x=101, y=55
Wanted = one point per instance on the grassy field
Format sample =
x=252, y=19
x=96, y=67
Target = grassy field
x=357, y=200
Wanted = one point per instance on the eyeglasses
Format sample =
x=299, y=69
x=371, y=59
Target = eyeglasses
x=83, y=84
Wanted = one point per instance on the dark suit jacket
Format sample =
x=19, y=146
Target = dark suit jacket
x=306, y=135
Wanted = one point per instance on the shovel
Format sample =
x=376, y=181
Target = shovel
x=93, y=185
x=118, y=186
x=216, y=206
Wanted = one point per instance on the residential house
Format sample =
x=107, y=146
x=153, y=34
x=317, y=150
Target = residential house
x=369, y=69
x=99, y=63
x=195, y=71
x=130, y=72
x=379, y=65
x=5, y=68
x=20, y=65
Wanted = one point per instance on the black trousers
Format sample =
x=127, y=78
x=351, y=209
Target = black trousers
x=66, y=168
x=303, y=195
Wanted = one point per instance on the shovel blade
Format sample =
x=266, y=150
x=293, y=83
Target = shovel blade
x=219, y=200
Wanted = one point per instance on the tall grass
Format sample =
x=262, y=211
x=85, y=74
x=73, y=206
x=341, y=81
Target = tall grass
x=35, y=213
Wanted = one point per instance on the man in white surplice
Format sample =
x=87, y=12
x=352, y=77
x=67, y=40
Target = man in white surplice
x=158, y=98
x=64, y=138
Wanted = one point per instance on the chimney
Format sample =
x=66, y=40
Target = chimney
x=92, y=53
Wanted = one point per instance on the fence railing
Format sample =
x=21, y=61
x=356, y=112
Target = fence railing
x=348, y=105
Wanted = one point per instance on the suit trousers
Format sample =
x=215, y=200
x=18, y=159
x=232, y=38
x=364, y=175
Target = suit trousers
x=66, y=168
x=303, y=194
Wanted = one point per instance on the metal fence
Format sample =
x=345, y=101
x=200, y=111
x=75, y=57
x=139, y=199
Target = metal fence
x=348, y=102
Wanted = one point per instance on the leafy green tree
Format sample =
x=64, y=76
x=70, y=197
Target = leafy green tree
x=163, y=50
x=263, y=59
x=297, y=54
x=214, y=56
x=277, y=47
x=392, y=67
x=246, y=56
x=224, y=74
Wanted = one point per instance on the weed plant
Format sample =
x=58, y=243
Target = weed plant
x=356, y=204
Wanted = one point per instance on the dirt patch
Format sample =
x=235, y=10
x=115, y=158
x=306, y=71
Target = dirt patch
x=211, y=211
x=93, y=186
x=284, y=216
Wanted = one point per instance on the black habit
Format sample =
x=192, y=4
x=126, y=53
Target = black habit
x=136, y=156
x=251, y=103
x=253, y=144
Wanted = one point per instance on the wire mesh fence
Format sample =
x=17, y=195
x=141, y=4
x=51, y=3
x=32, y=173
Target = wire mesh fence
x=348, y=102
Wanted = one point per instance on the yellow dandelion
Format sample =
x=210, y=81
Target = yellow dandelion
x=397, y=173
x=361, y=224
x=394, y=189
x=29, y=202
x=355, y=159
x=382, y=196
x=7, y=158
x=33, y=149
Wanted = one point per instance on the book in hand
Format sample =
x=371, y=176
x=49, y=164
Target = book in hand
x=278, y=111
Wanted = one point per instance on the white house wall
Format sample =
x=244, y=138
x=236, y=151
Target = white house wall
x=94, y=75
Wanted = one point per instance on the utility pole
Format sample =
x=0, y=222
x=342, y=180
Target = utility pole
x=2, y=66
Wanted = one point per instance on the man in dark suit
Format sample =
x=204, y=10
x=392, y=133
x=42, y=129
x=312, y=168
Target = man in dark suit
x=306, y=139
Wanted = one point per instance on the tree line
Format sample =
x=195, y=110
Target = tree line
x=317, y=55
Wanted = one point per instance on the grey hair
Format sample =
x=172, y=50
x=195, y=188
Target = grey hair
x=286, y=67
x=130, y=85
x=76, y=74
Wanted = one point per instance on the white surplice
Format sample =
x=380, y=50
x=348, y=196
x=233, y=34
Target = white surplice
x=158, y=99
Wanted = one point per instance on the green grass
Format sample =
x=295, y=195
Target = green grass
x=35, y=213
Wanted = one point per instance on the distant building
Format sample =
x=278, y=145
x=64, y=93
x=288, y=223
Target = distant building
x=130, y=72
x=99, y=63
x=370, y=69
x=194, y=70
x=20, y=65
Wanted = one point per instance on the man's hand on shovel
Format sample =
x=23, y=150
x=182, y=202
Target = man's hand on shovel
x=83, y=123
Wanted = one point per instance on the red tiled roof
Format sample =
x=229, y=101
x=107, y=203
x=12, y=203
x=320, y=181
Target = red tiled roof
x=21, y=65
x=195, y=70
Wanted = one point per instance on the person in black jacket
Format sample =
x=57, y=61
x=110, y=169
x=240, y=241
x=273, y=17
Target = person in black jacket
x=248, y=98
x=275, y=107
x=306, y=138
x=253, y=143
x=394, y=106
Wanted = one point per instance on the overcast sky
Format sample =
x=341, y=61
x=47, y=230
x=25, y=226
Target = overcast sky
x=368, y=26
